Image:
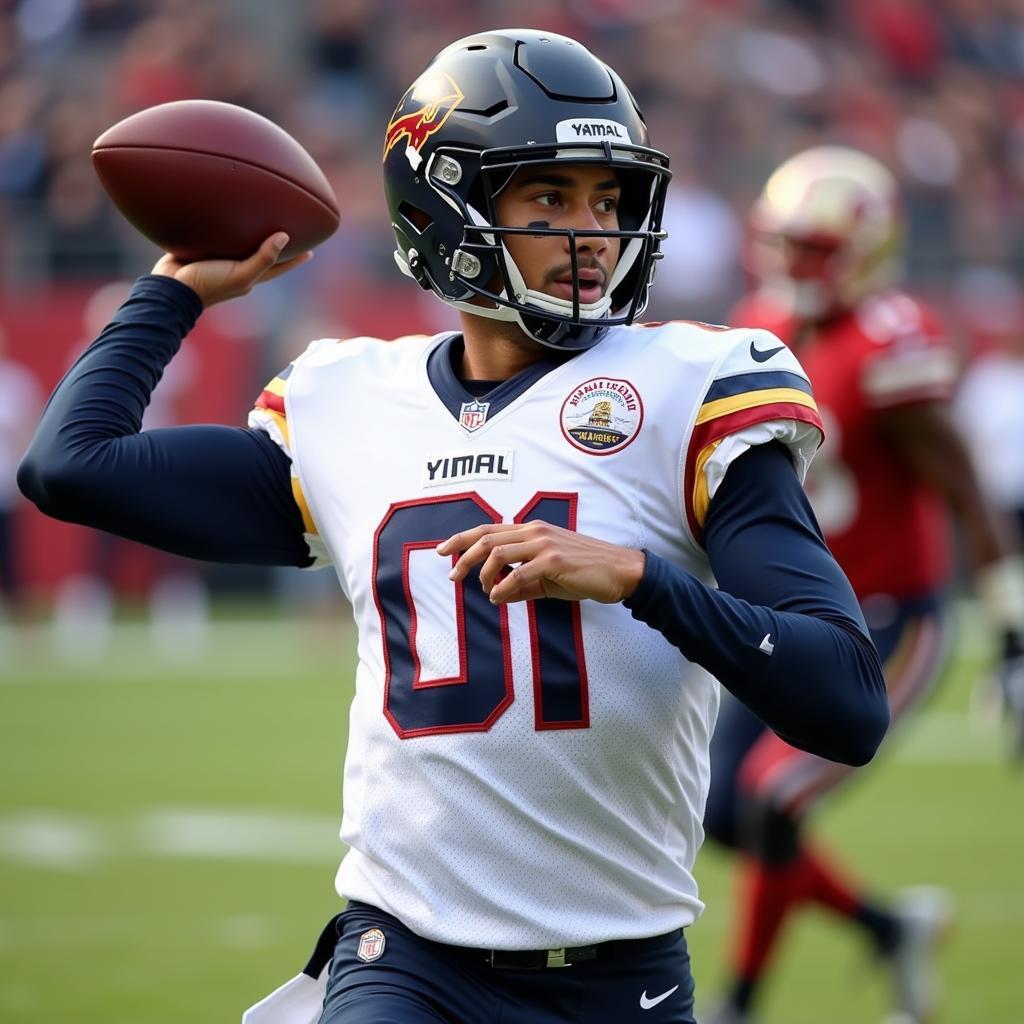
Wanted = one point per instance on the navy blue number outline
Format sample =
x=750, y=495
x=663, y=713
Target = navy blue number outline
x=561, y=695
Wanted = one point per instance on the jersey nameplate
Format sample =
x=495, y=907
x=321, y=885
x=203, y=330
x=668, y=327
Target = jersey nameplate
x=495, y=464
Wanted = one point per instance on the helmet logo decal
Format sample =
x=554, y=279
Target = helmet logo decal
x=602, y=416
x=591, y=129
x=438, y=94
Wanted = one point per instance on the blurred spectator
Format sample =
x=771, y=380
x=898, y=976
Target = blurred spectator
x=935, y=88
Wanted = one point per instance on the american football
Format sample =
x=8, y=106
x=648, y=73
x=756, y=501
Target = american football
x=203, y=179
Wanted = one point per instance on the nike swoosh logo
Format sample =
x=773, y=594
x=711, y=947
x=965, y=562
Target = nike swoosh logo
x=646, y=1004
x=762, y=357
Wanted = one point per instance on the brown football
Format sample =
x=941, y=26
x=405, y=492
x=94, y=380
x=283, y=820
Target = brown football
x=206, y=180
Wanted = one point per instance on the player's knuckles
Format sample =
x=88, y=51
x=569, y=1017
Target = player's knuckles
x=556, y=560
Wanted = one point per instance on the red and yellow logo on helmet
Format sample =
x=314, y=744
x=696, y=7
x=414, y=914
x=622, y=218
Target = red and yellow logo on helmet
x=438, y=95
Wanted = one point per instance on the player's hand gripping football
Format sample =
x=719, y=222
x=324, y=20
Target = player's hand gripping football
x=524, y=561
x=219, y=280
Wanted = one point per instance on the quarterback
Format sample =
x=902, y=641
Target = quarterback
x=527, y=527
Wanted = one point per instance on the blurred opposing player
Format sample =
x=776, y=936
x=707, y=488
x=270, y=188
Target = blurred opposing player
x=826, y=249
x=525, y=515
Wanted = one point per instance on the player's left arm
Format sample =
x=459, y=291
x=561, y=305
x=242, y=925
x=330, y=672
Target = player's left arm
x=784, y=631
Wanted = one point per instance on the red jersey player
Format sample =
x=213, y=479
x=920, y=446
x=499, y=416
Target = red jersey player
x=825, y=250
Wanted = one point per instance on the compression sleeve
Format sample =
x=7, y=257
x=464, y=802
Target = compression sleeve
x=783, y=632
x=211, y=492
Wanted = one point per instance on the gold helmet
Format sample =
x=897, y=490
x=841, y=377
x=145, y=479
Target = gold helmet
x=826, y=230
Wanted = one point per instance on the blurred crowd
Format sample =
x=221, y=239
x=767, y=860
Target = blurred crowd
x=934, y=88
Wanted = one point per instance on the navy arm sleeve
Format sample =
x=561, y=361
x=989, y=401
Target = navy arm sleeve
x=783, y=632
x=210, y=492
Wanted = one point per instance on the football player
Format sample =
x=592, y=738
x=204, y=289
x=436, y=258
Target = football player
x=826, y=252
x=525, y=515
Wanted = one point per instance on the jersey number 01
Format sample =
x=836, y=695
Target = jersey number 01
x=475, y=698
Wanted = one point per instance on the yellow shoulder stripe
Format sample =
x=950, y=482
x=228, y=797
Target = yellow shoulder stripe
x=751, y=399
x=300, y=500
x=700, y=483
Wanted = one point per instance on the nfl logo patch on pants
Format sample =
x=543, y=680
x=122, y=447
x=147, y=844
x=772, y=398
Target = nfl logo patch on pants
x=371, y=945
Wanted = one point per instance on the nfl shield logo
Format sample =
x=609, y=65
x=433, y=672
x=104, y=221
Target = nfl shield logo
x=473, y=414
x=371, y=945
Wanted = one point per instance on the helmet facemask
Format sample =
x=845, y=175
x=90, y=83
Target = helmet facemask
x=481, y=267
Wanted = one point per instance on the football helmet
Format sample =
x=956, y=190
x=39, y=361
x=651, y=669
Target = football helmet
x=826, y=231
x=486, y=106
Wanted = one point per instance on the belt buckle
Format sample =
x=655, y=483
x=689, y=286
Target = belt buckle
x=556, y=958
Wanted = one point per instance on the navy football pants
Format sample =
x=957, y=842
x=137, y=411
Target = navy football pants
x=415, y=981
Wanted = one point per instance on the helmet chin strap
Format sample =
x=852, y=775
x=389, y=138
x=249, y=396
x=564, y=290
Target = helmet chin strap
x=541, y=301
x=564, y=307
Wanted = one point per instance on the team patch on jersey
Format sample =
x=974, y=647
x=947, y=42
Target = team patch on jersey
x=371, y=945
x=473, y=414
x=494, y=464
x=602, y=416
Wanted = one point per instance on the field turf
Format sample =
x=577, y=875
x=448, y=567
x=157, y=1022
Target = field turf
x=168, y=835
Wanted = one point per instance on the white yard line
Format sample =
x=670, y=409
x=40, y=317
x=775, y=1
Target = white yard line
x=59, y=842
x=950, y=737
x=233, y=652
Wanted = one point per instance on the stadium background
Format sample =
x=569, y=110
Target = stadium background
x=170, y=797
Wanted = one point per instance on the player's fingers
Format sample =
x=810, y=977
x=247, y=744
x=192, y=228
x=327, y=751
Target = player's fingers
x=477, y=552
x=259, y=263
x=501, y=557
x=167, y=265
x=524, y=583
x=481, y=549
x=464, y=539
x=476, y=545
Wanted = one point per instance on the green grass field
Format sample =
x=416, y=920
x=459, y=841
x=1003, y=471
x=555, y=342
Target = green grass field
x=168, y=836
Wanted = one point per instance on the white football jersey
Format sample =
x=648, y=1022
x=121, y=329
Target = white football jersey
x=532, y=776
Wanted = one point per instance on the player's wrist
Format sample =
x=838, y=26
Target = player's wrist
x=634, y=564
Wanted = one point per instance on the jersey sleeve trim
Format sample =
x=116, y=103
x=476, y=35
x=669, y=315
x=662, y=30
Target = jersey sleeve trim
x=744, y=411
x=701, y=495
x=300, y=499
x=738, y=383
x=723, y=407
x=272, y=396
x=270, y=414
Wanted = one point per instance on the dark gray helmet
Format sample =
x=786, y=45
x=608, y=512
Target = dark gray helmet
x=487, y=106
